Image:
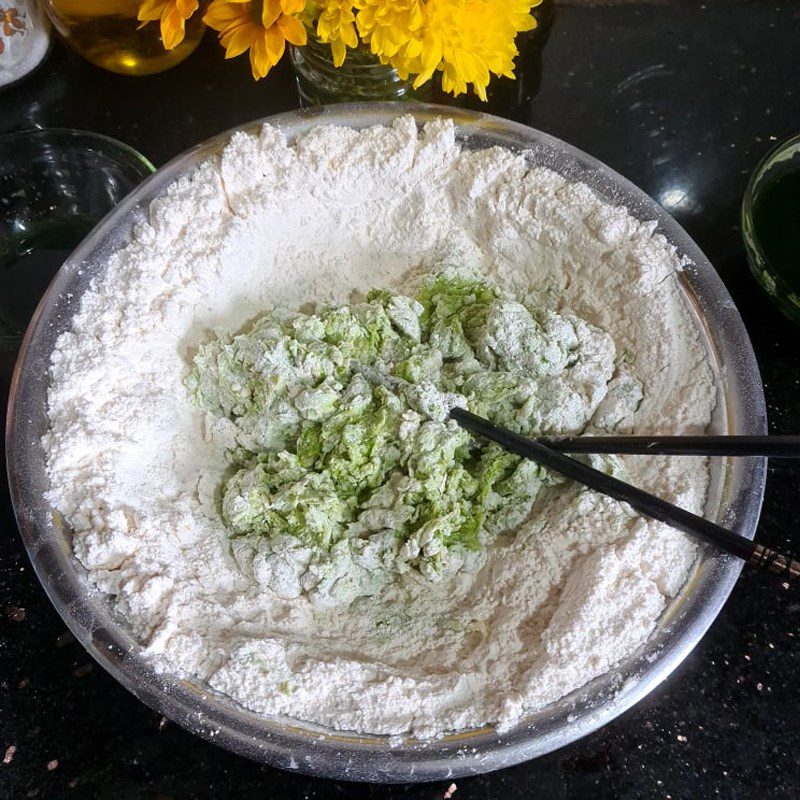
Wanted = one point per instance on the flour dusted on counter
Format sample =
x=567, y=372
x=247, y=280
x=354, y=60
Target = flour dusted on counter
x=135, y=466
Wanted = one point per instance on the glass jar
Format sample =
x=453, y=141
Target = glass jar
x=107, y=33
x=361, y=77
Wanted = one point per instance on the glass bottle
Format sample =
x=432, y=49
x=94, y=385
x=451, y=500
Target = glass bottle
x=107, y=33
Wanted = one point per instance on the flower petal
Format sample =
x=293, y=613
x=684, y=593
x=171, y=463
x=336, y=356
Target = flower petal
x=172, y=28
x=293, y=30
x=270, y=12
x=151, y=10
x=222, y=13
x=238, y=40
x=338, y=50
x=259, y=58
x=186, y=7
x=276, y=44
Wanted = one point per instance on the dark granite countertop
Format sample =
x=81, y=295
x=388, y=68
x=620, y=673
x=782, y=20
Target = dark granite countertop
x=683, y=98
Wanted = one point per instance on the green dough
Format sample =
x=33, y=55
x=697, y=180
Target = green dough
x=345, y=446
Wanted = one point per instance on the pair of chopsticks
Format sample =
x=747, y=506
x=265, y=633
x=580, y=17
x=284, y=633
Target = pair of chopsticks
x=549, y=452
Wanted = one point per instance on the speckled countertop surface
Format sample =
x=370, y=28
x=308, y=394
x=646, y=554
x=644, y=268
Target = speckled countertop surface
x=682, y=98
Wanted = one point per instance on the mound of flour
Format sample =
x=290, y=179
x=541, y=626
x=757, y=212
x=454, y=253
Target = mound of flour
x=134, y=465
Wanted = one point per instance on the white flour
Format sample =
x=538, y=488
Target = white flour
x=134, y=465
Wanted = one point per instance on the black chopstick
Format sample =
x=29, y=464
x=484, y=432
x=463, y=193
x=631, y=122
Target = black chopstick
x=643, y=502
x=772, y=446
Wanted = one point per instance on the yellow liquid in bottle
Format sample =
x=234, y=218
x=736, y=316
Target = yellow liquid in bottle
x=106, y=32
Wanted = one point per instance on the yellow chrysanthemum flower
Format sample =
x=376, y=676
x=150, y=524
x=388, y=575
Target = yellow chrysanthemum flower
x=467, y=40
x=173, y=15
x=336, y=26
x=392, y=28
x=261, y=26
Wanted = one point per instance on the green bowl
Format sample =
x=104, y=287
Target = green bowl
x=780, y=160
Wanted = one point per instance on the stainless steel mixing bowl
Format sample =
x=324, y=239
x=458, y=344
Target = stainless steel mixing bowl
x=735, y=498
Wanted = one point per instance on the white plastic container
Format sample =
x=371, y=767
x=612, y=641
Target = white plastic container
x=24, y=39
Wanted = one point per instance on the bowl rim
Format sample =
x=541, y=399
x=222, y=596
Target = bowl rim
x=294, y=745
x=58, y=134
